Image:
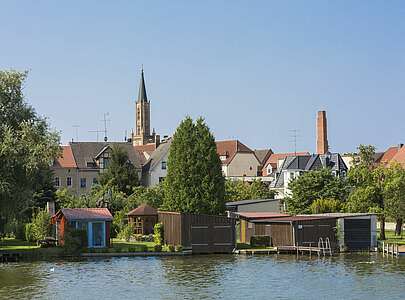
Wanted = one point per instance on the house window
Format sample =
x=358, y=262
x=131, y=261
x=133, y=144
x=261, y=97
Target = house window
x=73, y=224
x=292, y=176
x=250, y=225
x=82, y=182
x=164, y=165
x=269, y=169
x=343, y=173
x=69, y=181
x=222, y=157
x=57, y=181
x=95, y=181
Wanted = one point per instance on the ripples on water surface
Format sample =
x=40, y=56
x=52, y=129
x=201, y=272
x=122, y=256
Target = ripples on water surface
x=208, y=277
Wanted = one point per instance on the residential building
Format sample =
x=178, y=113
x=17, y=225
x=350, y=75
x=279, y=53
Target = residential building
x=155, y=169
x=275, y=160
x=294, y=166
x=81, y=163
x=65, y=171
x=262, y=155
x=238, y=161
x=394, y=153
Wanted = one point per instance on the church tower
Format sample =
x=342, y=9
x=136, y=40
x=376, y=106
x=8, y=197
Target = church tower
x=142, y=133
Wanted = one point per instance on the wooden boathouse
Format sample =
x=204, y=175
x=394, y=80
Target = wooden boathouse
x=199, y=233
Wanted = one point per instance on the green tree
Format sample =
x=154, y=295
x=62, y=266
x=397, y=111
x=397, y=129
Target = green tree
x=394, y=195
x=120, y=173
x=240, y=190
x=366, y=180
x=194, y=182
x=27, y=146
x=313, y=185
x=152, y=196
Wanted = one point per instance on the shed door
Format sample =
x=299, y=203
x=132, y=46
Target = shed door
x=357, y=234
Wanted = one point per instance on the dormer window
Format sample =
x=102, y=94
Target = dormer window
x=269, y=169
x=222, y=157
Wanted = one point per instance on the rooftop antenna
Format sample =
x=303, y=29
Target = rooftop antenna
x=105, y=120
x=76, y=131
x=294, y=135
x=97, y=132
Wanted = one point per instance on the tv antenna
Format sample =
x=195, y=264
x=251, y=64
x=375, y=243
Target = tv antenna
x=105, y=120
x=294, y=135
x=76, y=127
x=97, y=132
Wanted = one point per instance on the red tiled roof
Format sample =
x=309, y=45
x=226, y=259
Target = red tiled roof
x=275, y=157
x=102, y=214
x=66, y=160
x=149, y=148
x=261, y=215
x=143, y=210
x=389, y=154
x=399, y=157
x=230, y=148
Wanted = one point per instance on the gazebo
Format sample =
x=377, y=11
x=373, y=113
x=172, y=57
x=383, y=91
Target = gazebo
x=144, y=218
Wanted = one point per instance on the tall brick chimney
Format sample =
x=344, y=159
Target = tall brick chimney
x=322, y=146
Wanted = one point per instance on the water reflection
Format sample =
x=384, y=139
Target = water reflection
x=354, y=276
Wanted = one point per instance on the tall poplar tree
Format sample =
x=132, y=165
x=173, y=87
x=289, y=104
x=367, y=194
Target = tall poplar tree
x=194, y=182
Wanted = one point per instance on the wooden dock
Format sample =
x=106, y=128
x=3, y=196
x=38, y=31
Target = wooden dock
x=256, y=251
x=287, y=249
x=393, y=249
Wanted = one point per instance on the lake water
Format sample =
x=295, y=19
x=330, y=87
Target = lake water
x=354, y=276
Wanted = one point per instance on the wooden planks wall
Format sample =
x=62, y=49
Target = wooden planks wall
x=201, y=233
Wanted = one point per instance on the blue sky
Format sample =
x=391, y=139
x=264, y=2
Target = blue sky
x=253, y=69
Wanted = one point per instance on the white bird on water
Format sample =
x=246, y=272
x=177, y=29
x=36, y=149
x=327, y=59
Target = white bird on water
x=52, y=269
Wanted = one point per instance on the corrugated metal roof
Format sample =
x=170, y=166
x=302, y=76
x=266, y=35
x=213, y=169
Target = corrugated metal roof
x=261, y=215
x=101, y=214
x=292, y=219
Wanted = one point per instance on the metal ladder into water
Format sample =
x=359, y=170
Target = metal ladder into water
x=324, y=246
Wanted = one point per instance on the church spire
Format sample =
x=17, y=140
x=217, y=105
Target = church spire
x=142, y=97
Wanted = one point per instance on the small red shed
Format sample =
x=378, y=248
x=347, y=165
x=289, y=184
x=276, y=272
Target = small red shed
x=95, y=221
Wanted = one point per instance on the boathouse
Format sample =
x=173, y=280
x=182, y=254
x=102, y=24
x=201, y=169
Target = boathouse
x=144, y=218
x=345, y=231
x=199, y=233
x=96, y=222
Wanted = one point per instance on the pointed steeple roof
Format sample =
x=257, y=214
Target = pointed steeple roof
x=142, y=97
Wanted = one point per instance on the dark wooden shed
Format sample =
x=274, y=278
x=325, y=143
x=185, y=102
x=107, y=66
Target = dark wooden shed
x=144, y=218
x=199, y=233
x=300, y=230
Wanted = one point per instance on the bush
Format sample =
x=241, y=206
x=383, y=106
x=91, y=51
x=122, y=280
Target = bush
x=158, y=233
x=14, y=229
x=126, y=233
x=29, y=232
x=74, y=240
x=321, y=206
x=260, y=241
x=157, y=248
x=168, y=248
x=41, y=225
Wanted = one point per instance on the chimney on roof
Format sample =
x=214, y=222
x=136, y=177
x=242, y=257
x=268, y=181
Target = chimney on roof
x=322, y=146
x=400, y=146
